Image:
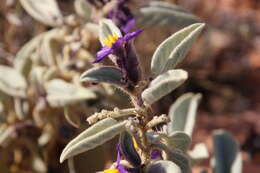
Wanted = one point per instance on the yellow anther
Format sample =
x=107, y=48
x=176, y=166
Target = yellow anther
x=110, y=39
x=135, y=143
x=111, y=171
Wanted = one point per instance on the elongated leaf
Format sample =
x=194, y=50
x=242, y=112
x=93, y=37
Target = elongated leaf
x=164, y=14
x=128, y=149
x=83, y=9
x=163, y=166
x=225, y=151
x=101, y=125
x=183, y=113
x=178, y=140
x=45, y=11
x=93, y=141
x=107, y=27
x=163, y=85
x=173, y=50
x=103, y=74
x=61, y=93
x=23, y=61
x=12, y=82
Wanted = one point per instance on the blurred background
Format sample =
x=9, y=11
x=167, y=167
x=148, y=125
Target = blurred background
x=224, y=65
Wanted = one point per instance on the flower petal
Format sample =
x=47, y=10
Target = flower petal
x=132, y=35
x=105, y=51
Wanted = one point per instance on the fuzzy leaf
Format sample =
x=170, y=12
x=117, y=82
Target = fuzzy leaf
x=23, y=61
x=83, y=9
x=225, y=152
x=128, y=149
x=183, y=113
x=173, y=50
x=178, y=140
x=163, y=85
x=45, y=11
x=12, y=82
x=61, y=93
x=164, y=14
x=103, y=74
x=101, y=125
x=163, y=166
x=107, y=27
x=92, y=141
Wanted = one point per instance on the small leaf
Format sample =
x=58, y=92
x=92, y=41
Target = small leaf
x=173, y=50
x=225, y=151
x=71, y=116
x=103, y=74
x=50, y=46
x=183, y=113
x=92, y=141
x=83, y=9
x=198, y=153
x=128, y=149
x=12, y=82
x=178, y=140
x=107, y=27
x=163, y=85
x=163, y=166
x=61, y=93
x=45, y=11
x=164, y=14
x=23, y=61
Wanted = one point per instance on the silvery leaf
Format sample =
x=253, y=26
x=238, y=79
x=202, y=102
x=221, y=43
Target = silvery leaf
x=164, y=14
x=163, y=85
x=45, y=11
x=92, y=141
x=12, y=82
x=198, y=153
x=103, y=74
x=226, y=152
x=71, y=116
x=183, y=113
x=61, y=93
x=101, y=125
x=178, y=140
x=163, y=166
x=107, y=27
x=128, y=149
x=173, y=50
x=23, y=61
x=179, y=158
x=83, y=9
x=50, y=46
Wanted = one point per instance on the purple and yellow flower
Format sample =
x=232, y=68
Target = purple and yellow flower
x=113, y=42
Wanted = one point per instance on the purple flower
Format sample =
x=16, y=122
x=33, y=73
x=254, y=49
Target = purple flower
x=122, y=16
x=156, y=154
x=113, y=43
